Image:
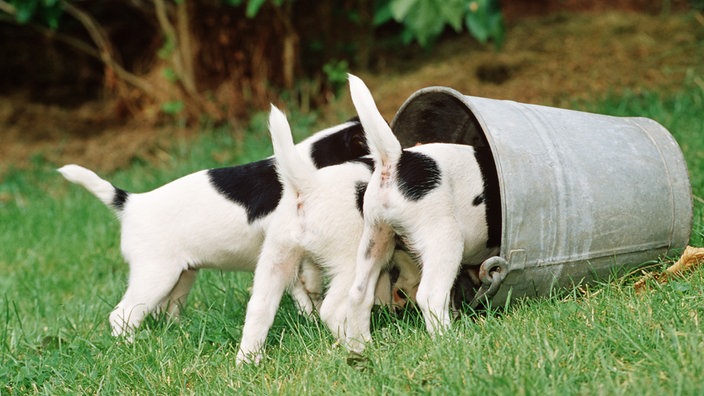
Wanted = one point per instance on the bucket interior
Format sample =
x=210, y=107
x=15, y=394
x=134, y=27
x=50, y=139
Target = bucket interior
x=437, y=117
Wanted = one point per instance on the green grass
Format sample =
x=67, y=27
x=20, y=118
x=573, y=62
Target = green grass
x=61, y=273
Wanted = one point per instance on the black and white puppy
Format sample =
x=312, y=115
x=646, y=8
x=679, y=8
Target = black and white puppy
x=215, y=218
x=433, y=198
x=319, y=219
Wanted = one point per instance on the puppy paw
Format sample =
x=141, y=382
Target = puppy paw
x=244, y=357
x=120, y=326
x=356, y=345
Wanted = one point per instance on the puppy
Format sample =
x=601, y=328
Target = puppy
x=435, y=199
x=318, y=218
x=214, y=218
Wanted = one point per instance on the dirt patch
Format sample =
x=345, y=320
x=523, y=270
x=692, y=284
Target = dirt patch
x=555, y=60
x=88, y=135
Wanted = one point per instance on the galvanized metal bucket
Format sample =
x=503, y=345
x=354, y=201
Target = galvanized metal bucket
x=583, y=196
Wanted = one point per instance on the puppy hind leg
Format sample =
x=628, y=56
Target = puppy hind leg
x=333, y=309
x=300, y=296
x=441, y=255
x=375, y=250
x=307, y=289
x=311, y=276
x=149, y=285
x=276, y=270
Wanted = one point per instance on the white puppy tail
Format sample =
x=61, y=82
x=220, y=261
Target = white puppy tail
x=101, y=188
x=383, y=145
x=294, y=171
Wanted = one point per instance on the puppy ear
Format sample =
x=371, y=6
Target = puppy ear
x=356, y=142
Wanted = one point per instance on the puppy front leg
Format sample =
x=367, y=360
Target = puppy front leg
x=333, y=309
x=276, y=270
x=383, y=290
x=311, y=276
x=307, y=289
x=375, y=250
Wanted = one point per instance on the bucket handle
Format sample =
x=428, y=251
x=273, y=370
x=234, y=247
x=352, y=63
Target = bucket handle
x=492, y=272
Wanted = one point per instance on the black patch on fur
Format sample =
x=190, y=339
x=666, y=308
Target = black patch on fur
x=478, y=200
x=341, y=146
x=418, y=175
x=368, y=161
x=255, y=186
x=401, y=244
x=491, y=195
x=118, y=201
x=394, y=274
x=361, y=188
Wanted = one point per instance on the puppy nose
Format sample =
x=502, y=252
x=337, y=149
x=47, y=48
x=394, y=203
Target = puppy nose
x=399, y=298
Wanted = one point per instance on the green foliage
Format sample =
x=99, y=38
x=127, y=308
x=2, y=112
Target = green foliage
x=169, y=74
x=172, y=107
x=425, y=20
x=697, y=4
x=253, y=6
x=485, y=21
x=168, y=48
x=47, y=12
x=336, y=73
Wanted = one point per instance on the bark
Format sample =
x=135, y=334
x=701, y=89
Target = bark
x=115, y=74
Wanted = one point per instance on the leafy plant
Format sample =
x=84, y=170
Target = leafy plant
x=336, y=72
x=697, y=4
x=172, y=107
x=485, y=21
x=425, y=20
x=46, y=12
x=253, y=6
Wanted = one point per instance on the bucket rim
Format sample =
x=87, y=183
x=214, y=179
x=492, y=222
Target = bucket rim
x=467, y=101
x=471, y=107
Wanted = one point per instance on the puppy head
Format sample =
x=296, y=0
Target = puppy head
x=405, y=278
x=354, y=140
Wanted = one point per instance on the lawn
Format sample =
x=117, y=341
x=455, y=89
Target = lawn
x=62, y=273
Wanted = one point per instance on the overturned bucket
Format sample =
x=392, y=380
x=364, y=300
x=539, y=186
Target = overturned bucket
x=583, y=196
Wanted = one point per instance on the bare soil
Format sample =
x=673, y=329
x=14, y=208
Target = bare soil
x=557, y=60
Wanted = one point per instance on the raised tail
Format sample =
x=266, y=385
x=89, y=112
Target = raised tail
x=294, y=171
x=383, y=145
x=110, y=195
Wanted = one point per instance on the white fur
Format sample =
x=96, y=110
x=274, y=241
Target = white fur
x=443, y=228
x=317, y=219
x=171, y=232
